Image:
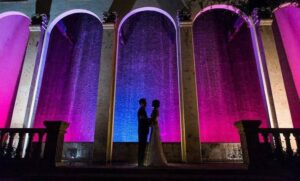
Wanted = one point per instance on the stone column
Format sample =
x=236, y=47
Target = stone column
x=105, y=103
x=191, y=151
x=27, y=78
x=277, y=87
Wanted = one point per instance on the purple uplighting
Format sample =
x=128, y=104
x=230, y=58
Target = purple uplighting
x=70, y=78
x=147, y=67
x=227, y=79
x=287, y=19
x=14, y=33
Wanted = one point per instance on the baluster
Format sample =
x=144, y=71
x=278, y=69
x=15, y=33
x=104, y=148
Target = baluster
x=266, y=142
x=265, y=136
x=38, y=149
x=2, y=145
x=289, y=150
x=10, y=149
x=29, y=146
x=278, y=148
x=296, y=135
x=19, y=150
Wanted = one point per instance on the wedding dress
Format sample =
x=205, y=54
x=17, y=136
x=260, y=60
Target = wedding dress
x=155, y=155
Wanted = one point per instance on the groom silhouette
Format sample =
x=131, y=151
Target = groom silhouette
x=143, y=130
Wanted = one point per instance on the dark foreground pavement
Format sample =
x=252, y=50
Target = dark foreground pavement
x=176, y=172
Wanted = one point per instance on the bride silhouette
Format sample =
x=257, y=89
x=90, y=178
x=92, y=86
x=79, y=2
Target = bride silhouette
x=155, y=155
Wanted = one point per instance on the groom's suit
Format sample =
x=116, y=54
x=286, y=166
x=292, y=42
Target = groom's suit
x=143, y=130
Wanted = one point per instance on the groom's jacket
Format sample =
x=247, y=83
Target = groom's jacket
x=143, y=120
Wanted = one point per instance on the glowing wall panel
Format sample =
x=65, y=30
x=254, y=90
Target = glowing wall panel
x=14, y=33
x=227, y=81
x=147, y=67
x=70, y=80
x=288, y=23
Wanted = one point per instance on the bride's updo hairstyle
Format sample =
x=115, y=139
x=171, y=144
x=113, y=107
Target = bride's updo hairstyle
x=155, y=103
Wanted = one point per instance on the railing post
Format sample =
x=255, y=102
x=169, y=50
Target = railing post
x=248, y=131
x=54, y=141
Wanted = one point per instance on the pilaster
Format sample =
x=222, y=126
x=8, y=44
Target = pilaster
x=191, y=151
x=28, y=75
x=277, y=87
x=105, y=104
x=258, y=51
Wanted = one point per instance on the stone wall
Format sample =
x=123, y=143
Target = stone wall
x=78, y=151
x=127, y=152
x=221, y=152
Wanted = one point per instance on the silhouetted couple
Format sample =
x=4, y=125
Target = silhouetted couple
x=153, y=155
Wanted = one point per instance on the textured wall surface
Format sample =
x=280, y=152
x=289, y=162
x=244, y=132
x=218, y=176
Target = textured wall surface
x=70, y=80
x=14, y=33
x=147, y=67
x=127, y=152
x=288, y=24
x=211, y=152
x=227, y=80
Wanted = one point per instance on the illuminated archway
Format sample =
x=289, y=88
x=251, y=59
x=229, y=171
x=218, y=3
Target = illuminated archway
x=14, y=34
x=69, y=74
x=228, y=78
x=147, y=67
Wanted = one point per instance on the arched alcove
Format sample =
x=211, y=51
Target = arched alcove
x=69, y=83
x=228, y=86
x=287, y=34
x=147, y=68
x=14, y=34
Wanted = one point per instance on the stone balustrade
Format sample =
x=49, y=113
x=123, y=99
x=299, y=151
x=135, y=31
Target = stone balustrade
x=33, y=145
x=267, y=147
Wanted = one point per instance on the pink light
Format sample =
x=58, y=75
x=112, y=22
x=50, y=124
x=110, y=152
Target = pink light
x=14, y=33
x=287, y=17
x=289, y=25
x=228, y=85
